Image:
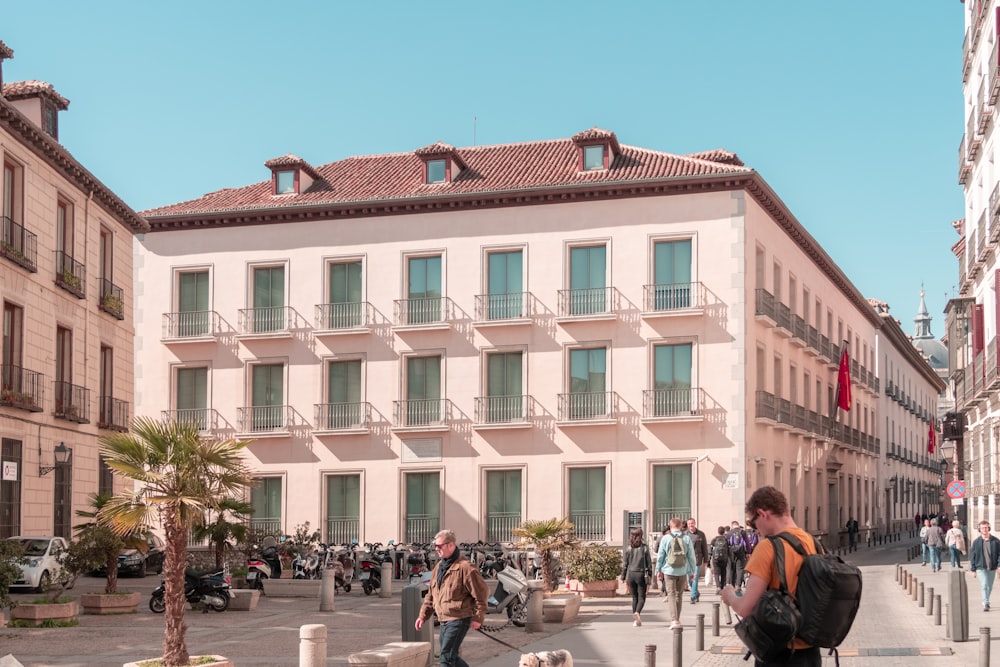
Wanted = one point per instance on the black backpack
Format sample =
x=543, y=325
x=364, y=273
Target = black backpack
x=774, y=621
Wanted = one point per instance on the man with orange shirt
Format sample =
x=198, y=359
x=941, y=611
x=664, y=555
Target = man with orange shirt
x=767, y=513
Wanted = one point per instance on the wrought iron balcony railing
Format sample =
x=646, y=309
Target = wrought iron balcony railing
x=342, y=416
x=341, y=316
x=670, y=297
x=190, y=324
x=666, y=403
x=206, y=420
x=425, y=311
x=588, y=302
x=112, y=299
x=19, y=245
x=422, y=413
x=21, y=388
x=113, y=414
x=505, y=306
x=260, y=419
x=587, y=406
x=500, y=410
x=72, y=402
x=266, y=320
x=71, y=275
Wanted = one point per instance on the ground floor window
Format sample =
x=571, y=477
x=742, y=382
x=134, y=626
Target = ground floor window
x=671, y=494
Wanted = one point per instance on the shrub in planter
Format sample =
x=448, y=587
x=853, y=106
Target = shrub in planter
x=594, y=562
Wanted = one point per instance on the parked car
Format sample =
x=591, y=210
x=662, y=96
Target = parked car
x=138, y=562
x=43, y=561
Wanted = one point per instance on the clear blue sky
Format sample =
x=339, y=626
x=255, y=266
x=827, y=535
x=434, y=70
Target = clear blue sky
x=851, y=111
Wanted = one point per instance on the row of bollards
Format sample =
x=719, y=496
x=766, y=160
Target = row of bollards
x=649, y=654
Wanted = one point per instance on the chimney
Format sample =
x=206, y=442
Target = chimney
x=39, y=101
x=5, y=54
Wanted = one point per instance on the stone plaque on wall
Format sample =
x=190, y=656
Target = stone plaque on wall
x=421, y=450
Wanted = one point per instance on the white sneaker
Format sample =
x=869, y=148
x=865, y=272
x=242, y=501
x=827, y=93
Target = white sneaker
x=674, y=624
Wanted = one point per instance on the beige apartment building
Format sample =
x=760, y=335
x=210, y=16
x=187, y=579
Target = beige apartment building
x=66, y=375
x=469, y=337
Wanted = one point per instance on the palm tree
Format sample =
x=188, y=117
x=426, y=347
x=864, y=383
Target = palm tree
x=105, y=542
x=547, y=536
x=221, y=531
x=178, y=477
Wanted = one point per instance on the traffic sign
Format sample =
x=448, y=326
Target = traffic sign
x=956, y=489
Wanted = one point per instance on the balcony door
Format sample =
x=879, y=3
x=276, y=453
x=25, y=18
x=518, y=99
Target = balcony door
x=671, y=494
x=505, y=288
x=343, y=508
x=672, y=274
x=672, y=379
x=268, y=299
x=588, y=280
x=13, y=317
x=192, y=304
x=345, y=295
x=424, y=289
x=503, y=504
x=423, y=506
x=587, y=502
x=504, y=387
x=588, y=383
x=192, y=397
x=344, y=394
x=423, y=390
x=268, y=397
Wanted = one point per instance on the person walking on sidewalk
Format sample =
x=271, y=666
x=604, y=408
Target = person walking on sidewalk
x=457, y=594
x=700, y=543
x=719, y=553
x=935, y=543
x=675, y=564
x=983, y=560
x=637, y=572
x=955, y=539
x=852, y=532
x=767, y=510
x=925, y=553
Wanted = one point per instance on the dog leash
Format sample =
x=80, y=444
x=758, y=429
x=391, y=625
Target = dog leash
x=497, y=639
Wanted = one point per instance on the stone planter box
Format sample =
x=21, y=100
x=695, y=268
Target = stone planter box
x=560, y=608
x=396, y=654
x=110, y=603
x=245, y=599
x=292, y=588
x=597, y=589
x=219, y=662
x=36, y=614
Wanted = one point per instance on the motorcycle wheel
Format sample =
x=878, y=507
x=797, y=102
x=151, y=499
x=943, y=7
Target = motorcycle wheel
x=157, y=605
x=517, y=612
x=220, y=602
x=347, y=588
x=368, y=589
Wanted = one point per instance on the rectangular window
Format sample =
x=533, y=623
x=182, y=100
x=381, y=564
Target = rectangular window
x=436, y=172
x=593, y=157
x=423, y=506
x=13, y=319
x=505, y=288
x=588, y=383
x=192, y=396
x=588, y=280
x=62, y=501
x=268, y=299
x=345, y=295
x=13, y=193
x=672, y=274
x=268, y=397
x=284, y=182
x=503, y=504
x=587, y=502
x=106, y=389
x=504, y=387
x=672, y=379
x=265, y=498
x=64, y=228
x=343, y=509
x=760, y=274
x=105, y=478
x=64, y=371
x=194, y=316
x=10, y=490
x=671, y=493
x=424, y=290
x=106, y=256
x=344, y=394
x=423, y=390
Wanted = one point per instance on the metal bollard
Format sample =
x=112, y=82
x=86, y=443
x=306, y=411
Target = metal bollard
x=930, y=600
x=984, y=647
x=715, y=619
x=649, y=657
x=312, y=645
x=699, y=636
x=937, y=610
x=327, y=591
x=920, y=596
x=678, y=646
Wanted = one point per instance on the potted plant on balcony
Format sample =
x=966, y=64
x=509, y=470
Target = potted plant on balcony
x=111, y=303
x=595, y=567
x=70, y=279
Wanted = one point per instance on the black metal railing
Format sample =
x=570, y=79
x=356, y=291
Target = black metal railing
x=71, y=275
x=683, y=402
x=348, y=315
x=422, y=412
x=263, y=418
x=676, y=296
x=19, y=245
x=588, y=301
x=431, y=310
x=505, y=306
x=586, y=406
x=112, y=299
x=21, y=388
x=514, y=409
x=112, y=414
x=72, y=402
x=206, y=420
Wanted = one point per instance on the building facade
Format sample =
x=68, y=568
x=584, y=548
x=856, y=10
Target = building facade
x=66, y=375
x=471, y=337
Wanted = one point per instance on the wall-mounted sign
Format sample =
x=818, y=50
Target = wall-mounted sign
x=732, y=481
x=8, y=471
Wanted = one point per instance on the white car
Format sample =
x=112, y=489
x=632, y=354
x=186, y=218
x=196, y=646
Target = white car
x=43, y=561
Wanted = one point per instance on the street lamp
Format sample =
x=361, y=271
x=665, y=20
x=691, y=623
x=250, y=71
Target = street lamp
x=61, y=453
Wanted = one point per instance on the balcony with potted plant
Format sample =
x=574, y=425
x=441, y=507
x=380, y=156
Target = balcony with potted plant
x=112, y=299
x=71, y=275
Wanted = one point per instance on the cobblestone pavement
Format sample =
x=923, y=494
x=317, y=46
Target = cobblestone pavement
x=891, y=629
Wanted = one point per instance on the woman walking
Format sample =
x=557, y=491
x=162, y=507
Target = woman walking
x=955, y=539
x=637, y=571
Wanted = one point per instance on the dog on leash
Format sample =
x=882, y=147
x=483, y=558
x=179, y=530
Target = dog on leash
x=560, y=658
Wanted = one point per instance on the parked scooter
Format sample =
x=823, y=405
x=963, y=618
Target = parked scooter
x=511, y=594
x=416, y=562
x=371, y=566
x=341, y=564
x=210, y=589
x=265, y=565
x=311, y=566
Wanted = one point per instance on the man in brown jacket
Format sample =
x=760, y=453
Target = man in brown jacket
x=457, y=594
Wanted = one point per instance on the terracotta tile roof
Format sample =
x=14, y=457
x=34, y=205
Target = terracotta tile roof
x=719, y=155
x=6, y=52
x=501, y=168
x=596, y=134
x=292, y=161
x=17, y=90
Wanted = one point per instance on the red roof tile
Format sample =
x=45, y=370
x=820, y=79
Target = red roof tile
x=292, y=161
x=502, y=168
x=17, y=90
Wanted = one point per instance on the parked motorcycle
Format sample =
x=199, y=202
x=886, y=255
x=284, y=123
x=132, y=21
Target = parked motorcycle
x=341, y=564
x=416, y=562
x=311, y=566
x=511, y=594
x=371, y=566
x=265, y=565
x=210, y=589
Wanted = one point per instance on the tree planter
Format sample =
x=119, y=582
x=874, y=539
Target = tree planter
x=219, y=662
x=560, y=607
x=36, y=614
x=597, y=589
x=110, y=603
x=244, y=599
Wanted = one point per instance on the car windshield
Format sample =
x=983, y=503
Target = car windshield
x=34, y=547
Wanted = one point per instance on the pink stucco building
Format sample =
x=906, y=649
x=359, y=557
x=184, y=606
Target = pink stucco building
x=66, y=289
x=468, y=337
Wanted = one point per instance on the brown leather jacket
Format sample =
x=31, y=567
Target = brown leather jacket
x=462, y=593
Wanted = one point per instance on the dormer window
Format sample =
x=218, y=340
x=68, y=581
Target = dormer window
x=291, y=175
x=593, y=157
x=436, y=171
x=284, y=182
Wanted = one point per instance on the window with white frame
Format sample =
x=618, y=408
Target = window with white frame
x=504, y=387
x=345, y=295
x=265, y=498
x=588, y=273
x=588, y=502
x=423, y=506
x=588, y=383
x=191, y=396
x=672, y=379
x=424, y=290
x=503, y=504
x=193, y=309
x=505, y=284
x=423, y=405
x=344, y=408
x=267, y=397
x=343, y=509
x=268, y=298
x=672, y=274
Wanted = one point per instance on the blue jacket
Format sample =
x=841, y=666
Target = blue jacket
x=976, y=554
x=661, y=556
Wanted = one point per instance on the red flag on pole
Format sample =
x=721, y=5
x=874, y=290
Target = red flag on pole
x=844, y=381
x=931, y=438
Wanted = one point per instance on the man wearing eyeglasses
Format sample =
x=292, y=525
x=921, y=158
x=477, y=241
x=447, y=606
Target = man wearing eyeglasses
x=457, y=594
x=983, y=560
x=767, y=513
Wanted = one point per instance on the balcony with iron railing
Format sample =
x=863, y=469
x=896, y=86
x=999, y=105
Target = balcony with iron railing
x=764, y=307
x=72, y=402
x=506, y=308
x=594, y=303
x=500, y=526
x=423, y=414
x=984, y=110
x=964, y=165
x=206, y=420
x=424, y=313
x=113, y=414
x=265, y=322
x=589, y=525
x=782, y=413
x=974, y=140
x=783, y=322
x=682, y=404
x=343, y=417
x=503, y=411
x=421, y=528
x=592, y=407
x=111, y=299
x=190, y=326
x=343, y=530
x=966, y=56
x=347, y=317
x=260, y=420
x=71, y=275
x=266, y=525
x=673, y=299
x=798, y=329
x=19, y=245
x=21, y=388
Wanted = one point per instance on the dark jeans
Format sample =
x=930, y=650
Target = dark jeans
x=736, y=572
x=807, y=657
x=637, y=587
x=452, y=634
x=720, y=568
